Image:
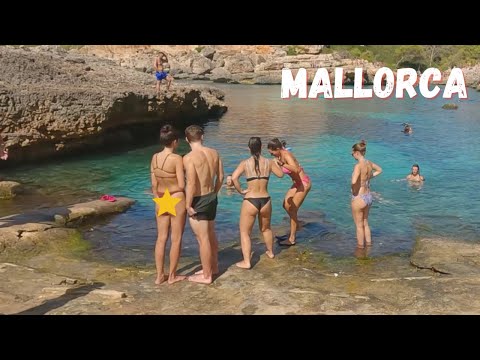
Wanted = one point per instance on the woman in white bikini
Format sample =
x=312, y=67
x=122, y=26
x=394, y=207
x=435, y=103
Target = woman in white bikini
x=362, y=199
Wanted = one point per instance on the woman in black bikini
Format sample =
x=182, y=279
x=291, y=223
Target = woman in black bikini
x=256, y=202
x=167, y=173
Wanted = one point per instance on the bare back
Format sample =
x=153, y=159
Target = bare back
x=205, y=162
x=362, y=186
x=167, y=170
x=158, y=64
x=257, y=183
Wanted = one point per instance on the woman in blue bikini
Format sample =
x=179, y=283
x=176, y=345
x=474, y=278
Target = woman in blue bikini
x=362, y=199
x=257, y=201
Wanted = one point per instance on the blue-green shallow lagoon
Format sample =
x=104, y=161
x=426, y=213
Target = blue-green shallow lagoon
x=445, y=143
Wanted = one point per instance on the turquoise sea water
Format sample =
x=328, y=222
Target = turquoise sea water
x=445, y=144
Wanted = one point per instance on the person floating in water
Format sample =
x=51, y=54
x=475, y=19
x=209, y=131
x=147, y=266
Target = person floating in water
x=407, y=129
x=415, y=174
x=257, y=202
x=362, y=198
x=298, y=191
x=229, y=182
x=229, y=187
x=161, y=73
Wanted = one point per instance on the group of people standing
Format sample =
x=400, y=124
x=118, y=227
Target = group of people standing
x=257, y=202
x=197, y=178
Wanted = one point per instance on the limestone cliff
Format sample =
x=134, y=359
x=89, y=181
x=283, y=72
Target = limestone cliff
x=54, y=103
x=246, y=64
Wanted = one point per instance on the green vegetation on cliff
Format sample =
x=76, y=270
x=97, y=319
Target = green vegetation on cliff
x=418, y=57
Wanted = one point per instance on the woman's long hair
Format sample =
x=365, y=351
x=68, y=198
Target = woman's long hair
x=255, y=146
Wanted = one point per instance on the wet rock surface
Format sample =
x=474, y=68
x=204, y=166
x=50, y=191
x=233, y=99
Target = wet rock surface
x=295, y=282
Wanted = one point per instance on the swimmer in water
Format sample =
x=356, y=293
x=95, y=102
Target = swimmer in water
x=415, y=174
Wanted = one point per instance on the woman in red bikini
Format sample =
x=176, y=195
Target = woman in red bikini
x=167, y=172
x=299, y=190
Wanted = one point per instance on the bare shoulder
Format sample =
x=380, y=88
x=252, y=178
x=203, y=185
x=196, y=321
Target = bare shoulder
x=177, y=157
x=187, y=157
x=211, y=150
x=289, y=155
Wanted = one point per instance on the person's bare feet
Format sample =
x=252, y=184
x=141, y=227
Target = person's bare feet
x=200, y=272
x=176, y=278
x=360, y=252
x=287, y=242
x=200, y=279
x=160, y=279
x=243, y=265
x=270, y=254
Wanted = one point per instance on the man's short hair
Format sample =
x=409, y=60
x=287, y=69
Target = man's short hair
x=194, y=133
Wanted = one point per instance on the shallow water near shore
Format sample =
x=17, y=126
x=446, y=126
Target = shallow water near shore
x=321, y=133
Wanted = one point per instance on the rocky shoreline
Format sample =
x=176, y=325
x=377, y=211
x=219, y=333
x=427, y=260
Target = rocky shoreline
x=46, y=267
x=61, y=280
x=54, y=103
x=245, y=64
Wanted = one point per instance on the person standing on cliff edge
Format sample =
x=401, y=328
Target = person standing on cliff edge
x=161, y=73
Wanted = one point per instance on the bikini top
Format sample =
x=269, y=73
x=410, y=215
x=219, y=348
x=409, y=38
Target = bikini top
x=171, y=174
x=288, y=172
x=252, y=175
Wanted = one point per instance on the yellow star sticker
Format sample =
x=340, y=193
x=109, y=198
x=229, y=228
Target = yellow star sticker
x=166, y=204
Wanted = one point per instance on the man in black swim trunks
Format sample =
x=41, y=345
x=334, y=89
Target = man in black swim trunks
x=204, y=172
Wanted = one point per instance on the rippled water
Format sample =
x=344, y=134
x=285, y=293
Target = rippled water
x=321, y=133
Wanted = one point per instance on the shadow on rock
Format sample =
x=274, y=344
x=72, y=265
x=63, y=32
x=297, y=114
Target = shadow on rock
x=58, y=302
